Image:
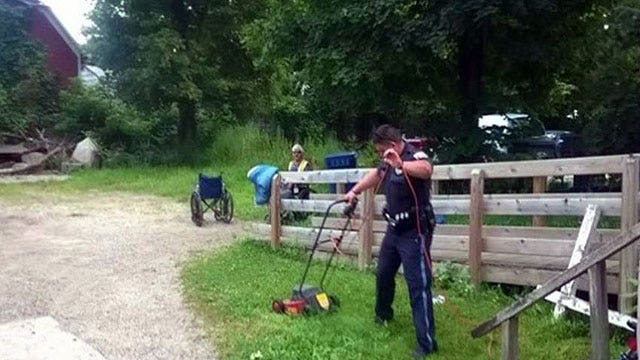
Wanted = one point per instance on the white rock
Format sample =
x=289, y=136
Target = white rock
x=86, y=152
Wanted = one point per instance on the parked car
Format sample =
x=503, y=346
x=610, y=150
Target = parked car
x=514, y=133
x=426, y=144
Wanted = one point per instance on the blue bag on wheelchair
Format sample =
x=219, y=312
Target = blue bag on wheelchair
x=210, y=187
x=261, y=176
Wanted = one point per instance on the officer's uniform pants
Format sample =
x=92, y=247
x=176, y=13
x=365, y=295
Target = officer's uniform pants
x=407, y=249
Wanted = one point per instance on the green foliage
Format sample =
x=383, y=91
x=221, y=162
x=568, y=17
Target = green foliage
x=19, y=54
x=182, y=56
x=284, y=90
x=430, y=67
x=36, y=99
x=124, y=134
x=350, y=57
x=455, y=277
x=28, y=93
x=249, y=145
x=609, y=87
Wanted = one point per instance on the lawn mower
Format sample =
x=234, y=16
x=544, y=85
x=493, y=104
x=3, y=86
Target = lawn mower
x=632, y=347
x=308, y=299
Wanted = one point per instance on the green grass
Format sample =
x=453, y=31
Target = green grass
x=232, y=291
x=172, y=182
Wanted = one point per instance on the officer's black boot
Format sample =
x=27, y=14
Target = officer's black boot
x=418, y=353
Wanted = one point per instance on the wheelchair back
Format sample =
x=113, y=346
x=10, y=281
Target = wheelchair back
x=210, y=187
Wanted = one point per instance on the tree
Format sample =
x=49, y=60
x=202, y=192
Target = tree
x=608, y=83
x=439, y=63
x=174, y=54
x=352, y=57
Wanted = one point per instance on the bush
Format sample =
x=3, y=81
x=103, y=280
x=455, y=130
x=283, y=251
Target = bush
x=125, y=135
x=454, y=277
x=6, y=121
x=29, y=105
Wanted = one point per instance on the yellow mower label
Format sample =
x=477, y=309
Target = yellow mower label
x=323, y=300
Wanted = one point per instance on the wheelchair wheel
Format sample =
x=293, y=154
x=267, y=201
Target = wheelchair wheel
x=196, y=209
x=226, y=213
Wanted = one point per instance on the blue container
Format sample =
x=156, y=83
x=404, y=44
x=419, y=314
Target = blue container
x=346, y=160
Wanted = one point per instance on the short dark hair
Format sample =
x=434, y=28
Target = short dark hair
x=386, y=133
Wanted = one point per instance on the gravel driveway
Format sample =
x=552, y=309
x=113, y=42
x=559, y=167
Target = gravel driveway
x=106, y=267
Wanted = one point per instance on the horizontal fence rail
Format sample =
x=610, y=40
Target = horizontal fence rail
x=498, y=170
x=564, y=204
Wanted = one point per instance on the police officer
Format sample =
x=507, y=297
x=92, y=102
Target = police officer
x=405, y=173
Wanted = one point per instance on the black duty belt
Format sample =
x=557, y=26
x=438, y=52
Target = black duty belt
x=406, y=220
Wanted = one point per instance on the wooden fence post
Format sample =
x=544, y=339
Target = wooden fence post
x=509, y=346
x=475, y=225
x=366, y=230
x=539, y=187
x=435, y=187
x=274, y=210
x=599, y=311
x=628, y=218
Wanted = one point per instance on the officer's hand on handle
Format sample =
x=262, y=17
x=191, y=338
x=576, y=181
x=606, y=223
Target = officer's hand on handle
x=350, y=208
x=351, y=197
x=392, y=158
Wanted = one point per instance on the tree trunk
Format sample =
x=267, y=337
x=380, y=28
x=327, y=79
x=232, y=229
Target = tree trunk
x=470, y=68
x=187, y=130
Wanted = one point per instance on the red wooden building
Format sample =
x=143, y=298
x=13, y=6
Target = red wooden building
x=63, y=54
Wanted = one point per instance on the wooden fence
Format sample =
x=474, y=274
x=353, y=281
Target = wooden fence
x=523, y=255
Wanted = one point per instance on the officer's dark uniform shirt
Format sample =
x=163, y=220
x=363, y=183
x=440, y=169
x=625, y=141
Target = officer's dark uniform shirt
x=398, y=194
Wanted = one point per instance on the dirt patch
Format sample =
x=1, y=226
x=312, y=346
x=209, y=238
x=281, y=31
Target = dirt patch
x=106, y=267
x=16, y=179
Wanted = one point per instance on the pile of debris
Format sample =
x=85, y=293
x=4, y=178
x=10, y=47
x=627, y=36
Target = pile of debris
x=21, y=155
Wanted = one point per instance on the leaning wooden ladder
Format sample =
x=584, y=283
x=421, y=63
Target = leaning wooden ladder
x=595, y=264
x=566, y=297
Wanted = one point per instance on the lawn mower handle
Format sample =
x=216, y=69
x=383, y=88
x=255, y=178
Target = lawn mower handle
x=350, y=208
x=348, y=212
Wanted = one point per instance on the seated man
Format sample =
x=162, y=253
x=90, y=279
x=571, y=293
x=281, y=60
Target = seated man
x=297, y=163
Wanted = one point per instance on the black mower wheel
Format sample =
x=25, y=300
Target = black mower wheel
x=277, y=306
x=309, y=311
x=334, y=301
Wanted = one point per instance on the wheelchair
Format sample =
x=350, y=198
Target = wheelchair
x=212, y=192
